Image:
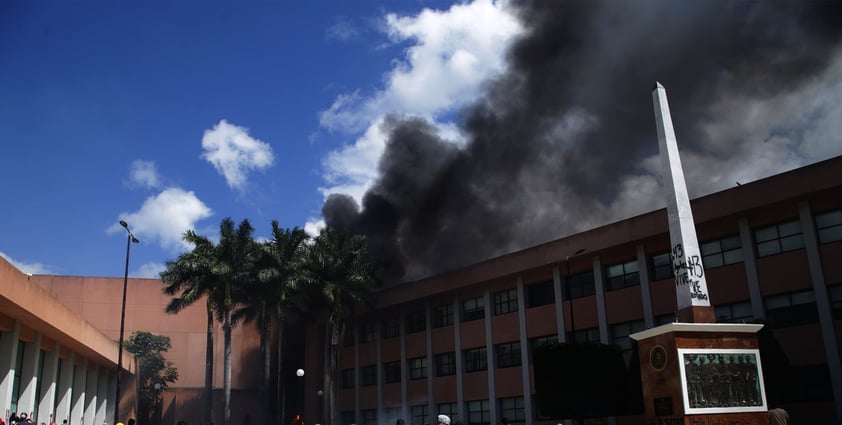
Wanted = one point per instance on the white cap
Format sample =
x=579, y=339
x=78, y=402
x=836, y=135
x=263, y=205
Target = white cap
x=444, y=419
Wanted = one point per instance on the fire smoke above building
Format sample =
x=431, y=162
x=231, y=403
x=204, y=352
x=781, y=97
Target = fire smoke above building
x=564, y=140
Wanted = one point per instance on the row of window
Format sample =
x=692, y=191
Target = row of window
x=474, y=360
x=770, y=240
x=476, y=411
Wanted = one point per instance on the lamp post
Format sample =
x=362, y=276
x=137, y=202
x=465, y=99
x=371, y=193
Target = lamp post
x=569, y=294
x=129, y=240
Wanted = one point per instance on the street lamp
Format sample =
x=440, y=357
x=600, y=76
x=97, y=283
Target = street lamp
x=129, y=241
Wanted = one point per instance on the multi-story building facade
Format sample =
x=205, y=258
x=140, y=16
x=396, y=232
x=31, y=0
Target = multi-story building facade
x=460, y=343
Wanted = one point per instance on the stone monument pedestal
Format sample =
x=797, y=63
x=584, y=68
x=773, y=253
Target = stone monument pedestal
x=702, y=374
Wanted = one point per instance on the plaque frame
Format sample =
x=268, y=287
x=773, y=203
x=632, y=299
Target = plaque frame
x=754, y=354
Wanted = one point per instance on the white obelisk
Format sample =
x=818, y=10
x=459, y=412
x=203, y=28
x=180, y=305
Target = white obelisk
x=691, y=289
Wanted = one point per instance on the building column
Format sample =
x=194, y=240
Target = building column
x=91, y=395
x=404, y=365
x=457, y=342
x=599, y=290
x=750, y=261
x=65, y=389
x=645, y=287
x=378, y=338
x=49, y=381
x=489, y=354
x=101, y=396
x=8, y=361
x=560, y=322
x=524, y=352
x=357, y=377
x=431, y=405
x=111, y=406
x=831, y=349
x=29, y=376
x=77, y=406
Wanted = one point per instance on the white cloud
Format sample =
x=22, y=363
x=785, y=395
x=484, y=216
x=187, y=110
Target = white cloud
x=165, y=217
x=28, y=268
x=452, y=53
x=314, y=226
x=342, y=30
x=144, y=174
x=234, y=153
x=150, y=270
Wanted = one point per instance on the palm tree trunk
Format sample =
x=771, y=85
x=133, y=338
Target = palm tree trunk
x=281, y=390
x=226, y=327
x=208, y=393
x=332, y=331
x=267, y=365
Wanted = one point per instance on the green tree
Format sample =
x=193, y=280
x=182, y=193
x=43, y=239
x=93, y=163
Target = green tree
x=268, y=298
x=336, y=268
x=220, y=272
x=152, y=368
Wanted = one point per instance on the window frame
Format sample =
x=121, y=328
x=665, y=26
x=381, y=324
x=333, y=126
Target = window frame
x=476, y=359
x=505, y=302
x=508, y=355
x=473, y=309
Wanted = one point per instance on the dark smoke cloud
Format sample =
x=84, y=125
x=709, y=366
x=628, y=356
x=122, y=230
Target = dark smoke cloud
x=553, y=142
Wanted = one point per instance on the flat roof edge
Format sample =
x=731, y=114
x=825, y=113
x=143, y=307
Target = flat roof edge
x=697, y=327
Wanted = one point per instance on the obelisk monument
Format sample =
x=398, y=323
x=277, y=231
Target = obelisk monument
x=690, y=285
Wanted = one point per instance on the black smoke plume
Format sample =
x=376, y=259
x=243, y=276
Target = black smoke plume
x=552, y=144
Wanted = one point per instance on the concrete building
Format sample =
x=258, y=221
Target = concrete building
x=460, y=343
x=55, y=365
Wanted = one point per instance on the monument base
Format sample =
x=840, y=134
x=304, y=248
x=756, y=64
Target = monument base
x=702, y=374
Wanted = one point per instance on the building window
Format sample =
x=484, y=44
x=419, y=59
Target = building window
x=347, y=378
x=392, y=372
x=661, y=266
x=416, y=321
x=368, y=333
x=621, y=331
x=473, y=309
x=369, y=375
x=539, y=294
x=508, y=354
x=476, y=359
x=779, y=238
x=478, y=412
x=445, y=364
x=734, y=313
x=580, y=285
x=623, y=275
x=349, y=418
x=586, y=335
x=419, y=414
x=511, y=408
x=722, y=252
x=450, y=410
x=797, y=308
x=418, y=368
x=541, y=341
x=505, y=302
x=829, y=226
x=443, y=315
x=391, y=327
x=369, y=417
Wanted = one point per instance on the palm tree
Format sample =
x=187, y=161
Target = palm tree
x=191, y=277
x=269, y=298
x=219, y=272
x=336, y=267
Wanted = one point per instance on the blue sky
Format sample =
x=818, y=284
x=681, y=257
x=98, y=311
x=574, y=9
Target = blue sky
x=172, y=115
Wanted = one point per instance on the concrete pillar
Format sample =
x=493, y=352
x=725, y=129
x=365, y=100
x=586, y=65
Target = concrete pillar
x=599, y=290
x=29, y=376
x=524, y=352
x=431, y=372
x=49, y=381
x=65, y=389
x=826, y=322
x=645, y=287
x=101, y=396
x=457, y=339
x=91, y=395
x=750, y=261
x=489, y=353
x=8, y=362
x=561, y=324
x=404, y=365
x=110, y=405
x=77, y=405
x=378, y=337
